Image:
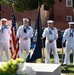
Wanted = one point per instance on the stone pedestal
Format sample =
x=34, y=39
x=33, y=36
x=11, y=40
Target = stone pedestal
x=45, y=69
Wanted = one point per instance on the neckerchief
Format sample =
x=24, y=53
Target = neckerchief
x=50, y=31
x=71, y=33
x=4, y=27
x=25, y=29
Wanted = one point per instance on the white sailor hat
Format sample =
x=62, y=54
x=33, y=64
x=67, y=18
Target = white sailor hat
x=71, y=23
x=50, y=21
x=25, y=19
x=3, y=19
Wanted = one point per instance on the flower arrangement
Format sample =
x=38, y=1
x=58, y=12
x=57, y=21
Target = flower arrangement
x=10, y=67
x=15, y=67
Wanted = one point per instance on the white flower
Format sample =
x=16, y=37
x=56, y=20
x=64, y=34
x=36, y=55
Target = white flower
x=25, y=70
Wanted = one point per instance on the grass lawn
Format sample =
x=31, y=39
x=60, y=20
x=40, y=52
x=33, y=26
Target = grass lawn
x=65, y=69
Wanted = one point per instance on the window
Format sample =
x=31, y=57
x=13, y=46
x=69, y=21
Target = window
x=69, y=18
x=69, y=3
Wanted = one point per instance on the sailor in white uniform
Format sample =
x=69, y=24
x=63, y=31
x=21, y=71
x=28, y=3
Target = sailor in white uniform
x=68, y=36
x=24, y=33
x=5, y=32
x=51, y=35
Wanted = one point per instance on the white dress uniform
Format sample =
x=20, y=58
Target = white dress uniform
x=4, y=41
x=51, y=34
x=68, y=36
x=24, y=44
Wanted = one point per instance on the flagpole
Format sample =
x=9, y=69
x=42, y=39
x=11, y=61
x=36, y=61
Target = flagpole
x=43, y=54
x=62, y=53
x=73, y=20
x=13, y=38
x=13, y=11
x=11, y=49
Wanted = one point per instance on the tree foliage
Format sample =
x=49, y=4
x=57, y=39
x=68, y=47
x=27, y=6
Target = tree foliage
x=25, y=5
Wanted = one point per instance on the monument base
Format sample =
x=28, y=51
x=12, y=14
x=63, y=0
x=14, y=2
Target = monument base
x=45, y=69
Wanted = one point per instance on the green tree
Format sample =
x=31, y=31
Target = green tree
x=25, y=5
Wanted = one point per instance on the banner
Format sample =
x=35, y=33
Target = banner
x=36, y=45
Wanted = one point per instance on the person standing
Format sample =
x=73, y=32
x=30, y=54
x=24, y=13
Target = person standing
x=4, y=39
x=24, y=33
x=51, y=35
x=68, y=36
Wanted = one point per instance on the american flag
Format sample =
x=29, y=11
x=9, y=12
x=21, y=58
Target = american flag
x=13, y=40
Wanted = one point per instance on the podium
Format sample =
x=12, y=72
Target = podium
x=45, y=69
